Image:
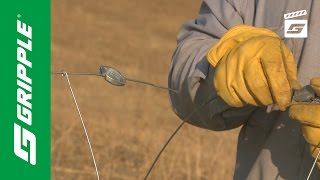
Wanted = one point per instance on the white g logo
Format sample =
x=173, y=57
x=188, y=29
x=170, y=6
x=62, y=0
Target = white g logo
x=27, y=136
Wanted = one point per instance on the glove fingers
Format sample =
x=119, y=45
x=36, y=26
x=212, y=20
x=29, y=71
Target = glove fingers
x=257, y=85
x=242, y=82
x=223, y=86
x=314, y=150
x=290, y=67
x=233, y=37
x=311, y=134
x=315, y=84
x=253, y=66
x=275, y=72
x=306, y=114
x=252, y=88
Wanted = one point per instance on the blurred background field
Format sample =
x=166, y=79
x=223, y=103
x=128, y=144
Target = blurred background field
x=127, y=125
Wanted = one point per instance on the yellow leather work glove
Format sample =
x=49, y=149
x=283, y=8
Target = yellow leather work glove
x=308, y=114
x=253, y=66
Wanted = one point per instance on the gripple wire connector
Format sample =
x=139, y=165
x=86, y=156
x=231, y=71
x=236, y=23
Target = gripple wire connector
x=113, y=76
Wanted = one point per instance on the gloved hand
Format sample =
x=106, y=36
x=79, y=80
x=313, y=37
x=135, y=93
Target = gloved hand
x=253, y=66
x=308, y=114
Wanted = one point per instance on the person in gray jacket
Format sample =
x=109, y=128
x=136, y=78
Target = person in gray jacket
x=236, y=55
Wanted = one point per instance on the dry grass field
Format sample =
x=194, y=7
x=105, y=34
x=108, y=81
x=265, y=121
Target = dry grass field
x=127, y=125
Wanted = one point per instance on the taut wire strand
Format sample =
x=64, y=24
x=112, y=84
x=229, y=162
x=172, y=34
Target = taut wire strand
x=128, y=79
x=151, y=84
x=77, y=73
x=315, y=161
x=64, y=73
x=82, y=122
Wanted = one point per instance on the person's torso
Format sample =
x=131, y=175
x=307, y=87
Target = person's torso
x=271, y=146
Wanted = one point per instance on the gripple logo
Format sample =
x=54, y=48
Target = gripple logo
x=295, y=28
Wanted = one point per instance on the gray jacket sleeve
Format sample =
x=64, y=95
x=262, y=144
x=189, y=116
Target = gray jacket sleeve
x=191, y=74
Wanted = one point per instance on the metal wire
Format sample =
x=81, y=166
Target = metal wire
x=82, y=122
x=172, y=135
x=128, y=79
x=77, y=73
x=151, y=84
x=64, y=73
x=315, y=161
x=136, y=81
x=162, y=149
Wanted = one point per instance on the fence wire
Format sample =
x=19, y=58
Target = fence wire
x=114, y=77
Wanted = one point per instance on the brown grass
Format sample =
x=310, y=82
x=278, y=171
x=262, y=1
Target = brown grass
x=127, y=125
